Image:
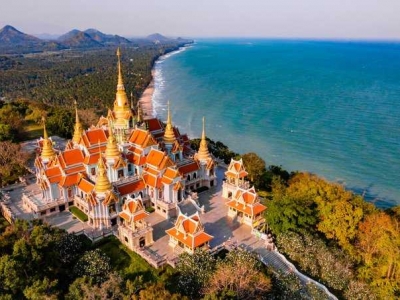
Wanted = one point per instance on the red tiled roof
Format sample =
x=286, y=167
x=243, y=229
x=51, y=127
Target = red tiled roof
x=69, y=180
x=92, y=159
x=75, y=170
x=251, y=210
x=132, y=187
x=85, y=185
x=189, y=168
x=140, y=216
x=154, y=124
x=96, y=135
x=54, y=171
x=72, y=157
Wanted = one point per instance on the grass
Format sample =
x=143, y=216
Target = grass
x=130, y=265
x=78, y=213
x=150, y=209
x=32, y=131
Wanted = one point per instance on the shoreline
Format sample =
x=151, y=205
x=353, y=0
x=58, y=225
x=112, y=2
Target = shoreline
x=146, y=99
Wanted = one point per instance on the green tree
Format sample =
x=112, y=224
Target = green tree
x=255, y=166
x=61, y=122
x=238, y=276
x=157, y=291
x=42, y=289
x=94, y=264
x=194, y=272
x=12, y=162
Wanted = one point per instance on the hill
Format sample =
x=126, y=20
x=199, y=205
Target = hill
x=106, y=38
x=158, y=38
x=15, y=41
x=11, y=35
x=78, y=39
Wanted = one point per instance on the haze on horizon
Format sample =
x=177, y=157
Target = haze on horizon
x=331, y=19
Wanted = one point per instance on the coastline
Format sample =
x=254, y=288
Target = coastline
x=146, y=99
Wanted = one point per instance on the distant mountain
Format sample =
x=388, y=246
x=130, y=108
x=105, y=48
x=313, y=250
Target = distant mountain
x=156, y=37
x=15, y=41
x=9, y=34
x=78, y=39
x=47, y=36
x=106, y=38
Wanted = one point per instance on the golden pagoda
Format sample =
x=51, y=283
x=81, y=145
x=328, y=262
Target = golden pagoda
x=47, y=149
x=203, y=153
x=169, y=135
x=112, y=150
x=78, y=128
x=122, y=111
x=102, y=183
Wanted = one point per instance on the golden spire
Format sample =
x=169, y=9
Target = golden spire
x=169, y=135
x=47, y=149
x=203, y=153
x=102, y=184
x=78, y=129
x=121, y=105
x=139, y=113
x=112, y=150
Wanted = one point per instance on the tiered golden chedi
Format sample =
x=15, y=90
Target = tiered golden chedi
x=78, y=128
x=203, y=153
x=103, y=184
x=112, y=150
x=121, y=103
x=169, y=135
x=47, y=149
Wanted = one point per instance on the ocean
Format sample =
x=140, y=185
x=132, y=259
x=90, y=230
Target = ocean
x=327, y=107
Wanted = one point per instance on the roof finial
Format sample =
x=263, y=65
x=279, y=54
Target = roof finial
x=169, y=135
x=120, y=81
x=78, y=129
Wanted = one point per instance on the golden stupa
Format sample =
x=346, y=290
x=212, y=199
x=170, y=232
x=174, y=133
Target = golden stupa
x=112, y=150
x=203, y=153
x=102, y=183
x=169, y=135
x=122, y=111
x=47, y=149
x=78, y=128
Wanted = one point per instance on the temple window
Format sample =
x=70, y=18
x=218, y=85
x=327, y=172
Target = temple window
x=120, y=173
x=160, y=194
x=129, y=168
x=194, y=175
x=93, y=171
x=112, y=208
x=188, y=177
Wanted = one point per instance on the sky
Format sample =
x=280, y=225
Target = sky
x=332, y=19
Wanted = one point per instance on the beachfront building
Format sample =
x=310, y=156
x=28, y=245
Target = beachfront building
x=133, y=230
x=234, y=179
x=122, y=157
x=245, y=206
x=188, y=234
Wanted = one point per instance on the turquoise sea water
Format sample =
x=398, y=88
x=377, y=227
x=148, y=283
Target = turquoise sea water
x=332, y=108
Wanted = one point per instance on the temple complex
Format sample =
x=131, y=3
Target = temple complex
x=121, y=159
x=119, y=170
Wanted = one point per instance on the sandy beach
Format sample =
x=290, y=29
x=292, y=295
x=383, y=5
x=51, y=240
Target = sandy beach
x=146, y=100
